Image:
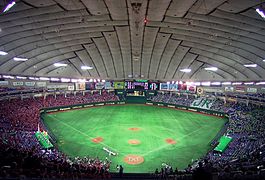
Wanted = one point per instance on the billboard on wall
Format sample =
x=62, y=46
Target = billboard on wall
x=229, y=89
x=18, y=83
x=240, y=89
x=173, y=87
x=109, y=85
x=71, y=87
x=32, y=83
x=99, y=85
x=80, y=86
x=41, y=84
x=191, y=88
x=252, y=90
x=119, y=85
x=3, y=83
x=164, y=86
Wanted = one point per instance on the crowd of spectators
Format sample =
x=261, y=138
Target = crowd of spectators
x=22, y=156
x=245, y=156
x=20, y=153
x=172, y=98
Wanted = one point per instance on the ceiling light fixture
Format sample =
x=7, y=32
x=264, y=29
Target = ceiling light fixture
x=20, y=59
x=250, y=65
x=211, y=68
x=260, y=83
x=236, y=83
x=55, y=79
x=2, y=53
x=260, y=12
x=185, y=70
x=86, y=67
x=65, y=80
x=60, y=65
x=9, y=6
x=206, y=83
x=44, y=78
x=216, y=83
x=226, y=83
x=249, y=83
x=21, y=77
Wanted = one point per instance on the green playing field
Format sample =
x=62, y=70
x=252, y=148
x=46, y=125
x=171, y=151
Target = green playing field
x=143, y=136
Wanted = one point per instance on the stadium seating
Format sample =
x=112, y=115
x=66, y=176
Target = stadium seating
x=20, y=153
x=22, y=156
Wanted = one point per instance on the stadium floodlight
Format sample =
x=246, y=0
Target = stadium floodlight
x=82, y=80
x=8, y=77
x=86, y=67
x=248, y=83
x=60, y=64
x=206, y=83
x=211, y=68
x=33, y=78
x=20, y=59
x=3, y=53
x=260, y=83
x=9, y=6
x=260, y=12
x=44, y=78
x=236, y=83
x=21, y=77
x=186, y=70
x=216, y=83
x=250, y=65
x=55, y=79
x=74, y=80
x=226, y=83
x=65, y=80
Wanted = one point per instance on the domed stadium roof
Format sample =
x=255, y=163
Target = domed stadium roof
x=122, y=39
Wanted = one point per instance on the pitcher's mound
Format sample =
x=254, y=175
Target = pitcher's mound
x=97, y=139
x=134, y=129
x=133, y=159
x=170, y=141
x=134, y=141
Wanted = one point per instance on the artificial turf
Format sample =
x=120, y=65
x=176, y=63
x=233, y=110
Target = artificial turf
x=192, y=133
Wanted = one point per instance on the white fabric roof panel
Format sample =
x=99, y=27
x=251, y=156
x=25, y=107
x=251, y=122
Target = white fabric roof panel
x=113, y=38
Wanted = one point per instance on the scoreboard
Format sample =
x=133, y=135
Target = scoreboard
x=141, y=85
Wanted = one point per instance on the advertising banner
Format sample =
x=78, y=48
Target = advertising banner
x=41, y=84
x=100, y=85
x=80, y=86
x=240, y=89
x=71, y=88
x=229, y=89
x=3, y=83
x=173, y=87
x=164, y=86
x=119, y=85
x=30, y=84
x=252, y=90
x=109, y=85
x=18, y=83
